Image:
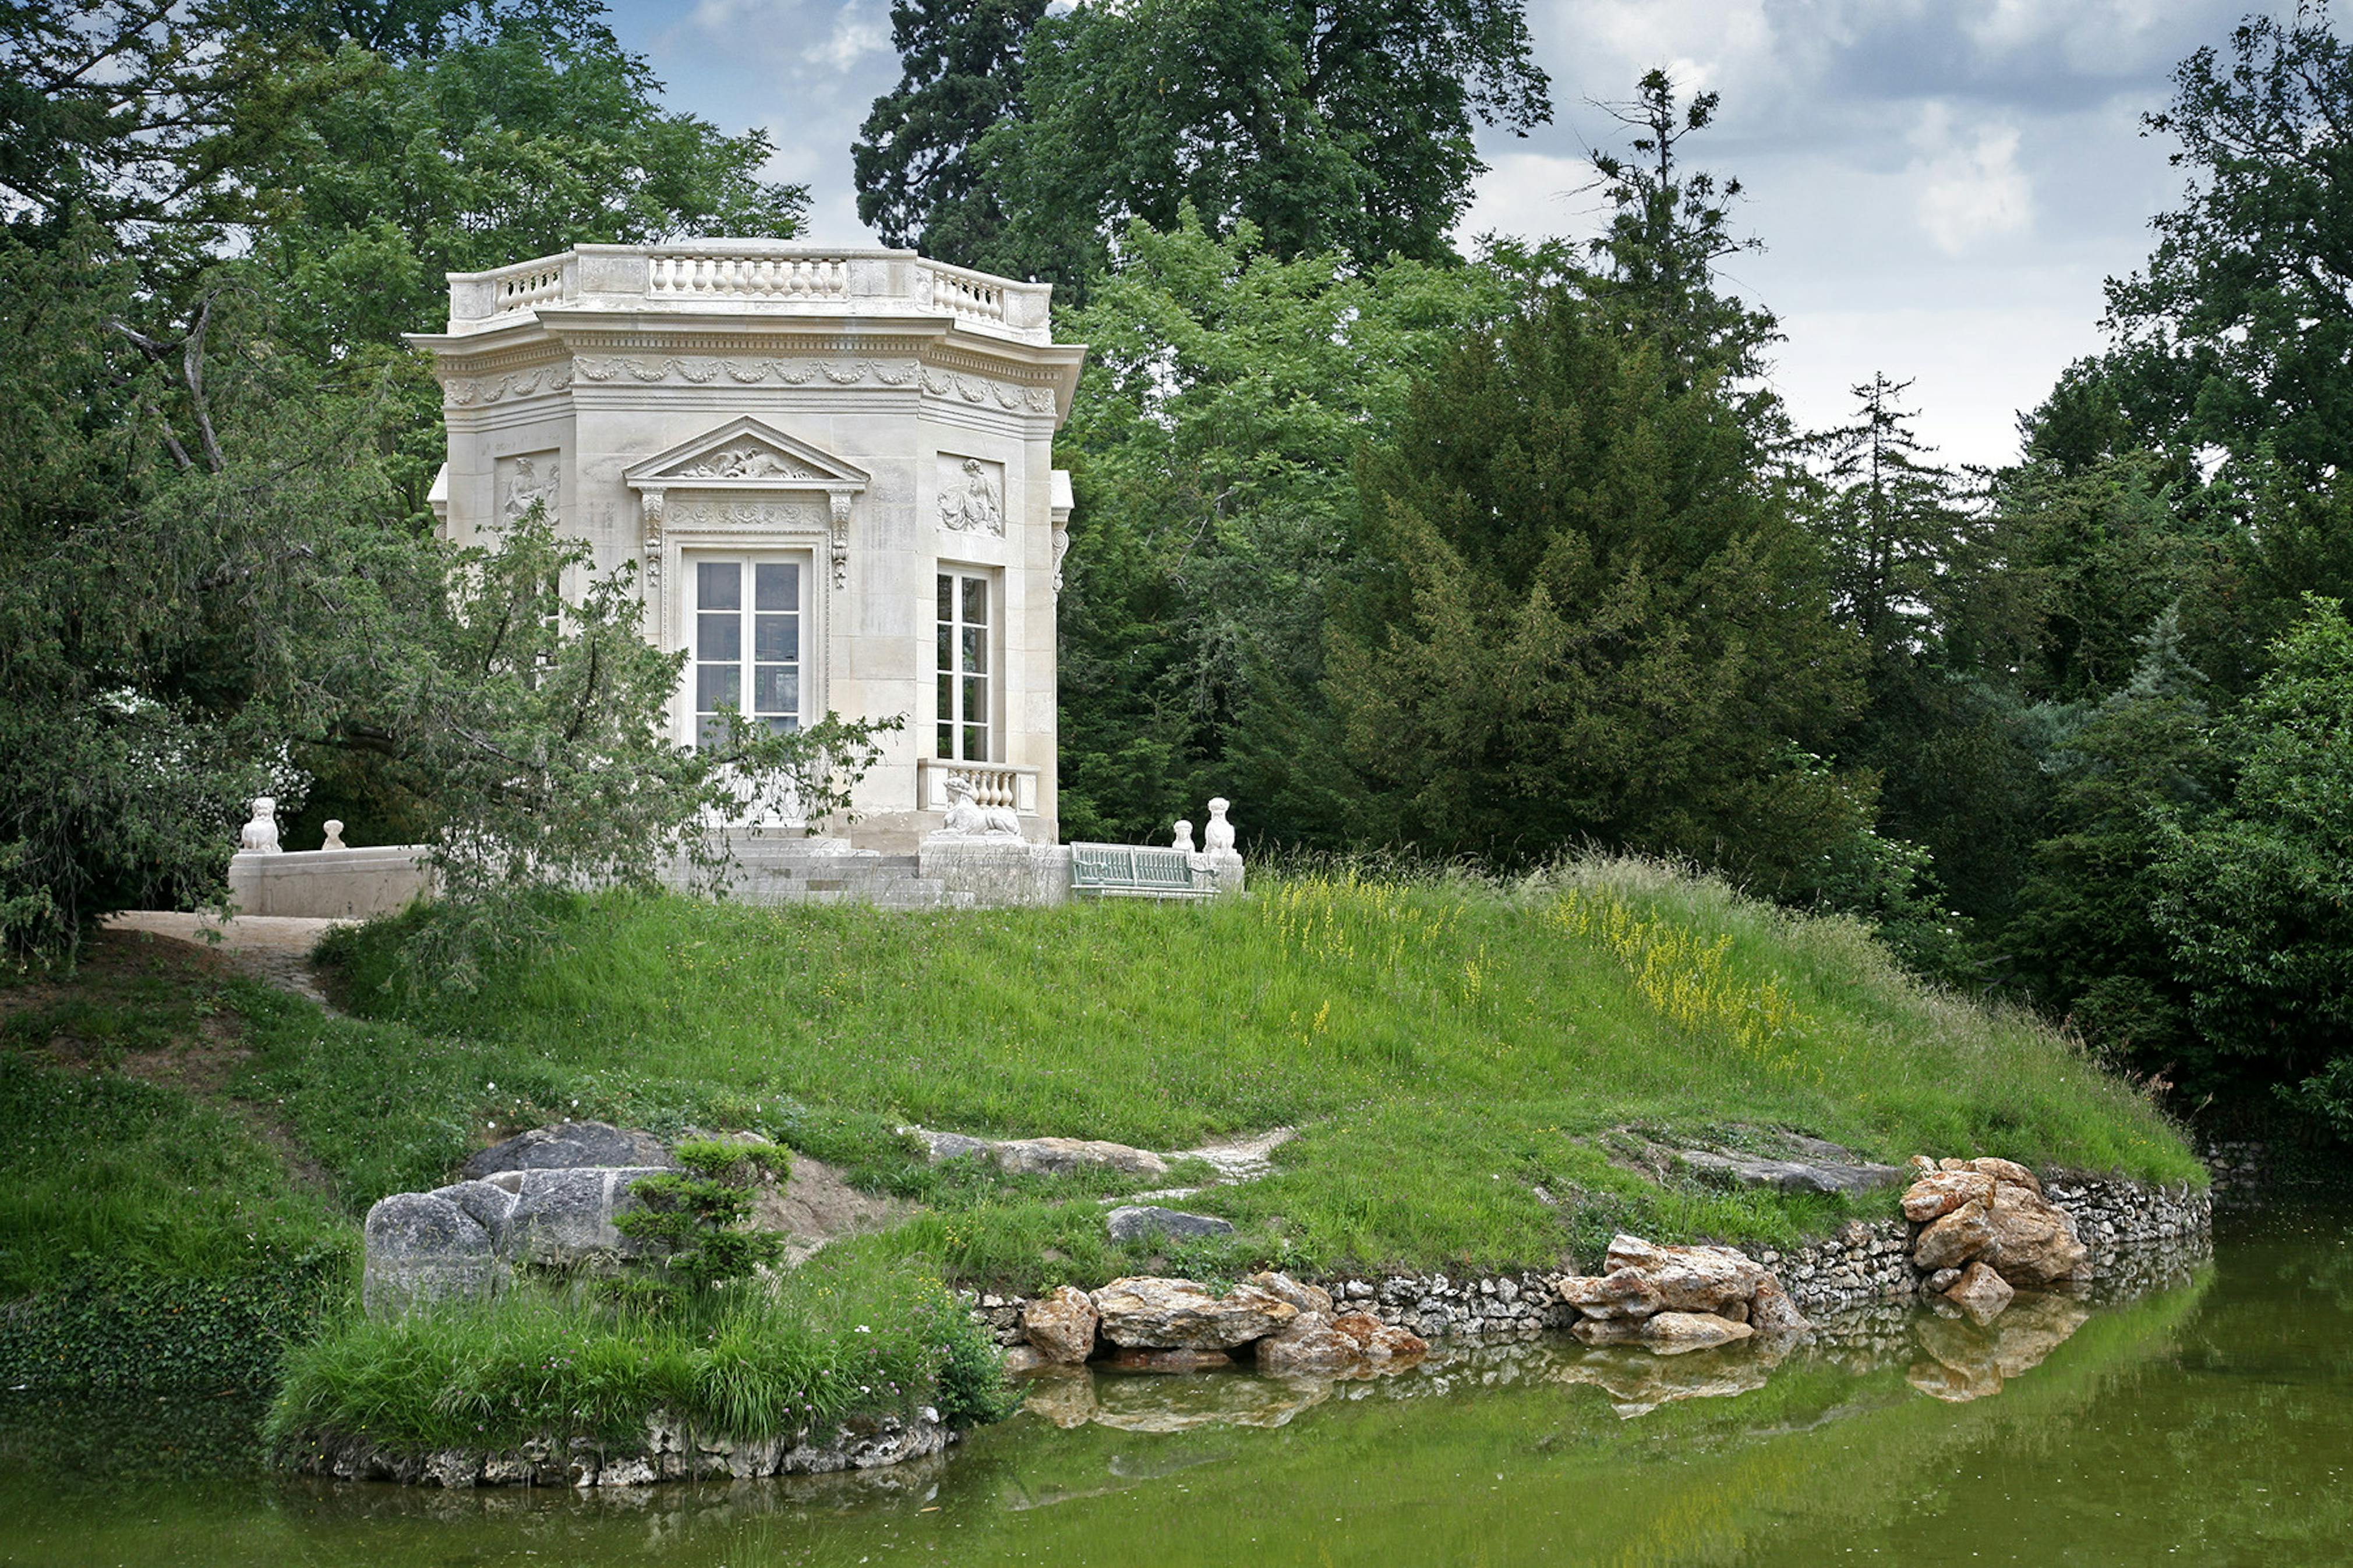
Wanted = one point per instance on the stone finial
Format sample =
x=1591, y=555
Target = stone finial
x=1183, y=840
x=1217, y=839
x=334, y=835
x=261, y=835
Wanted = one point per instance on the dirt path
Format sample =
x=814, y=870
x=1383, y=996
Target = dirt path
x=273, y=949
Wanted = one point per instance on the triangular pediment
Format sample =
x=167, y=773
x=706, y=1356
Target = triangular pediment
x=745, y=454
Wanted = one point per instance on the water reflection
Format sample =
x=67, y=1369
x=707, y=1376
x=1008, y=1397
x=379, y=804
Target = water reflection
x=2215, y=1416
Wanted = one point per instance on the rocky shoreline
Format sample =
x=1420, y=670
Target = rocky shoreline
x=1858, y=1285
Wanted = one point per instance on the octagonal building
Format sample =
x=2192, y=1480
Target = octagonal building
x=832, y=468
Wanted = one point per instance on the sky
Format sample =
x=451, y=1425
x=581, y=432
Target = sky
x=1941, y=187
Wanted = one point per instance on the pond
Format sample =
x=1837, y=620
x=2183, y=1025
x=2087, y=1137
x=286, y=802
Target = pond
x=2209, y=1421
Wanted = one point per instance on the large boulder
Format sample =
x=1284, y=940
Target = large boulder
x=1308, y=1344
x=1672, y=1334
x=1981, y=1292
x=1689, y=1279
x=569, y=1145
x=1307, y=1298
x=1380, y=1341
x=565, y=1218
x=1148, y=1313
x=2009, y=1170
x=1770, y=1312
x=1621, y=1293
x=1062, y=1325
x=1316, y=1343
x=1931, y=1198
x=1956, y=1239
x=424, y=1247
x=1831, y=1176
x=2032, y=1242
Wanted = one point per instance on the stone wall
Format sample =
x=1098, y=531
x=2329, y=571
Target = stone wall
x=666, y=1453
x=2138, y=1235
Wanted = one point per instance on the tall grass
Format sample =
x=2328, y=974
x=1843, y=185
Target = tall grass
x=855, y=1336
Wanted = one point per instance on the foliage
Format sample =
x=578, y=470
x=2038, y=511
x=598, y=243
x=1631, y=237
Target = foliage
x=1224, y=398
x=2083, y=935
x=692, y=1223
x=118, y=1326
x=2236, y=333
x=522, y=131
x=921, y=179
x=2255, y=897
x=1328, y=128
x=1592, y=614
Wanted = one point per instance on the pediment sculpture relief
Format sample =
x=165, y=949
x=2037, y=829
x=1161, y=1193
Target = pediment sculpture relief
x=746, y=460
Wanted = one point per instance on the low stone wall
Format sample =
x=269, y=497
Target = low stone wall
x=667, y=1452
x=328, y=884
x=2137, y=1234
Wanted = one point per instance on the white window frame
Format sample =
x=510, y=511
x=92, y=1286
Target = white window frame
x=803, y=613
x=952, y=722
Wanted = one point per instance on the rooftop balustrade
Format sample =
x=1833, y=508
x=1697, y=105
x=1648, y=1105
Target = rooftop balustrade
x=786, y=277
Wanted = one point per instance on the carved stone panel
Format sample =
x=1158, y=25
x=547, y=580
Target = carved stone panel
x=972, y=495
x=532, y=478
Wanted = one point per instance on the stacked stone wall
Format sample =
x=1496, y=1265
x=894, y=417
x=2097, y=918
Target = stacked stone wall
x=2138, y=1235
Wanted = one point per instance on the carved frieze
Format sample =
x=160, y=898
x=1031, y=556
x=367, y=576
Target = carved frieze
x=774, y=515
x=603, y=370
x=746, y=460
x=467, y=391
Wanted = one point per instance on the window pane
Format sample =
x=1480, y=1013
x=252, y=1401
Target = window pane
x=976, y=650
x=947, y=597
x=776, y=689
x=776, y=639
x=976, y=743
x=708, y=733
x=776, y=585
x=719, y=636
x=947, y=739
x=946, y=698
x=715, y=684
x=719, y=585
x=976, y=702
x=975, y=601
x=783, y=725
x=947, y=650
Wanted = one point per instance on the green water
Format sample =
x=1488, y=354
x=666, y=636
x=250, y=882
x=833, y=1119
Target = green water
x=2209, y=1422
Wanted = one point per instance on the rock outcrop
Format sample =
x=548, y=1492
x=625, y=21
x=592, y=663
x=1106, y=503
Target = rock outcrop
x=1142, y=1222
x=1989, y=1217
x=1675, y=1299
x=1143, y=1312
x=568, y=1145
x=1060, y=1325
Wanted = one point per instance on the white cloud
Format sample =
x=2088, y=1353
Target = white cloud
x=1970, y=186
x=1532, y=195
x=860, y=28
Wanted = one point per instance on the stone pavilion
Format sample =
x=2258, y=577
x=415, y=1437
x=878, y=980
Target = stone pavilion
x=833, y=470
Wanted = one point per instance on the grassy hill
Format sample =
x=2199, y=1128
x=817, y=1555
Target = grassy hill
x=1478, y=1072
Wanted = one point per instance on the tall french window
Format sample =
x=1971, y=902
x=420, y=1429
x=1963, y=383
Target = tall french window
x=963, y=664
x=746, y=641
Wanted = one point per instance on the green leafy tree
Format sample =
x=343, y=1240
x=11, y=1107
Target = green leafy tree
x=920, y=181
x=515, y=137
x=1328, y=127
x=2083, y=938
x=1226, y=395
x=2257, y=896
x=2237, y=333
x=695, y=1223
x=1591, y=610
